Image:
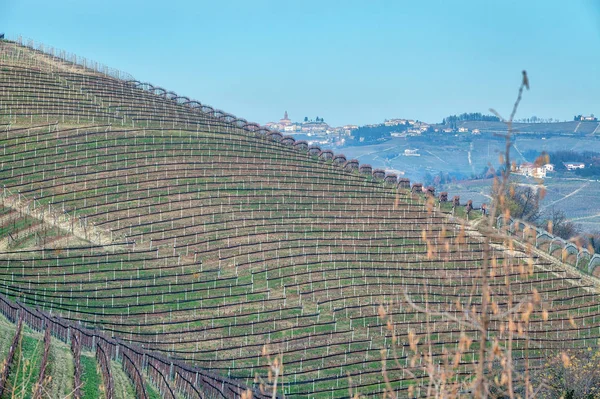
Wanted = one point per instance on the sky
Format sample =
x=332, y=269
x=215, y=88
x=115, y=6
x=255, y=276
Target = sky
x=350, y=62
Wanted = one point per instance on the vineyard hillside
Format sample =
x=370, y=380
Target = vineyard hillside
x=188, y=234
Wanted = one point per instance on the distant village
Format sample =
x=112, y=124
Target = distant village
x=311, y=127
x=318, y=127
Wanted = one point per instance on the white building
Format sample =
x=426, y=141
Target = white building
x=395, y=122
x=590, y=118
x=291, y=128
x=532, y=170
x=574, y=165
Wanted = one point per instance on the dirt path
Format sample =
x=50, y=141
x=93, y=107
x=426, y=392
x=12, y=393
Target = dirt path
x=436, y=156
x=63, y=221
x=586, y=217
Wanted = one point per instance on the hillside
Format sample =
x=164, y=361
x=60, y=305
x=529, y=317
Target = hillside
x=566, y=128
x=202, y=238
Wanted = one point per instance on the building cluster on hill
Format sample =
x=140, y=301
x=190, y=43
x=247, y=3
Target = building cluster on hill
x=540, y=171
x=537, y=171
x=585, y=118
x=316, y=127
x=410, y=127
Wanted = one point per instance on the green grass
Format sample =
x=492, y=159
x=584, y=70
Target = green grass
x=7, y=332
x=152, y=392
x=26, y=367
x=123, y=386
x=90, y=378
x=61, y=369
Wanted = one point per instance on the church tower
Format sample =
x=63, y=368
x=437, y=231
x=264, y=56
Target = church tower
x=286, y=120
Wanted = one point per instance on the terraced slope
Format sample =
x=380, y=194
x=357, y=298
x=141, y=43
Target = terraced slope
x=203, y=238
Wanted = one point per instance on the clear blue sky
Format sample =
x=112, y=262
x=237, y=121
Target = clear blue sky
x=347, y=61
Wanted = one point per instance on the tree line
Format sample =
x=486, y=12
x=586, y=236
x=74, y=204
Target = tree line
x=470, y=116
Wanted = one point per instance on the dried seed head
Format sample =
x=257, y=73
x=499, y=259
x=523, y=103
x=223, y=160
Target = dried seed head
x=536, y=296
x=572, y=322
x=381, y=312
x=495, y=307
x=413, y=340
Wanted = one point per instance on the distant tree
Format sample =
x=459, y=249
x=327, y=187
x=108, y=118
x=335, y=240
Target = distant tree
x=306, y=119
x=522, y=201
x=527, y=202
x=317, y=119
x=556, y=221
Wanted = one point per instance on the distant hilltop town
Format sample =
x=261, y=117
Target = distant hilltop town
x=312, y=127
x=318, y=127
